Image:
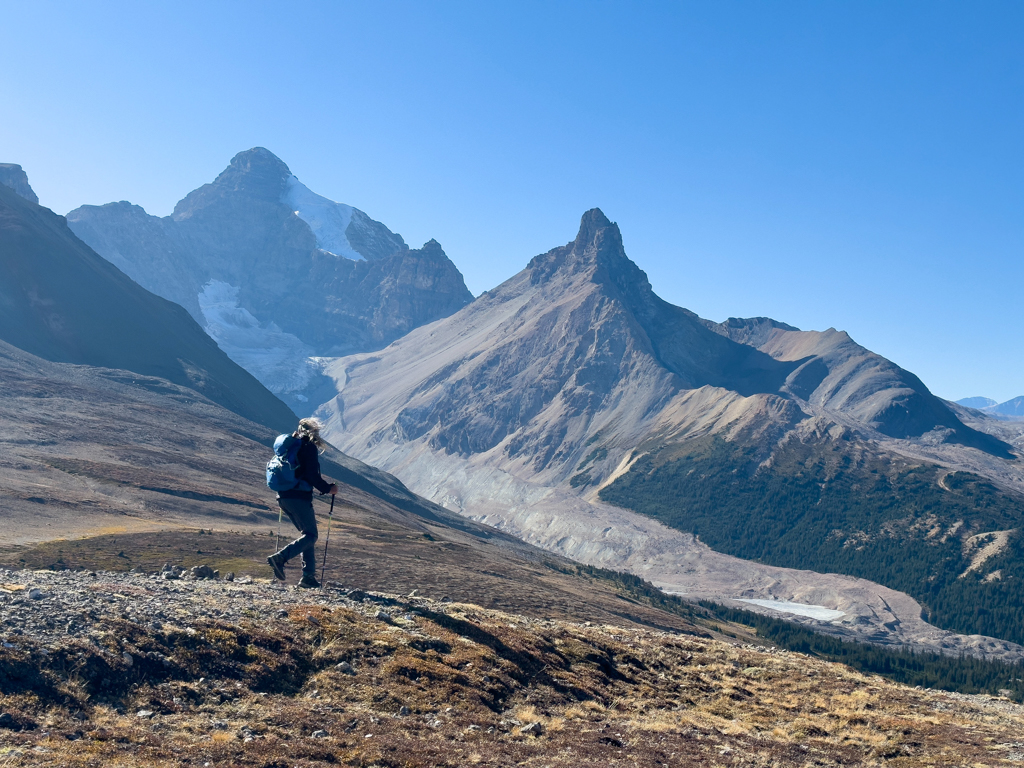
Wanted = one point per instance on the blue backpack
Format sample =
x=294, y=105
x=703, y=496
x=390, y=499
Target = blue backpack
x=282, y=468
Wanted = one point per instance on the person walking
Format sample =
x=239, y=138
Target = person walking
x=297, y=503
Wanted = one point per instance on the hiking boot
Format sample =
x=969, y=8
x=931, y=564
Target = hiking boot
x=277, y=565
x=309, y=582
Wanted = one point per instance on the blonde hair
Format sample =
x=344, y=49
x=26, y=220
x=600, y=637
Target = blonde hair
x=310, y=429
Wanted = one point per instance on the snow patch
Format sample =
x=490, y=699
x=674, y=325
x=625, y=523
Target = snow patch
x=281, y=361
x=819, y=612
x=328, y=220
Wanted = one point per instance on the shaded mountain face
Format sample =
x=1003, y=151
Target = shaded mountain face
x=573, y=383
x=276, y=273
x=61, y=301
x=13, y=177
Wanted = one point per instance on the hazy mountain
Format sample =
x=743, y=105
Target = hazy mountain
x=1014, y=407
x=977, y=402
x=14, y=177
x=276, y=273
x=60, y=301
x=573, y=383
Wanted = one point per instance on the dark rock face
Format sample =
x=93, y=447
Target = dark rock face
x=13, y=176
x=61, y=301
x=329, y=277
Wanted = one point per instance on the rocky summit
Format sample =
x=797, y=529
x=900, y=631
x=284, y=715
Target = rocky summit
x=102, y=669
x=14, y=177
x=276, y=273
x=575, y=408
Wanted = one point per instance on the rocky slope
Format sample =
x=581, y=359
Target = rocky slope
x=276, y=273
x=573, y=380
x=102, y=668
x=61, y=301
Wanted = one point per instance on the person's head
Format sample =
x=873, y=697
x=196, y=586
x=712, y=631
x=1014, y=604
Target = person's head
x=310, y=429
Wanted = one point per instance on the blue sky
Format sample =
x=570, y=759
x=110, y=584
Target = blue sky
x=849, y=165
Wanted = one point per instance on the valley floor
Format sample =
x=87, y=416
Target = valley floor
x=128, y=669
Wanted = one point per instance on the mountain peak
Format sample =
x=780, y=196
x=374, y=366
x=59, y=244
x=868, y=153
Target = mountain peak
x=258, y=165
x=597, y=249
x=592, y=222
x=256, y=173
x=258, y=159
x=13, y=176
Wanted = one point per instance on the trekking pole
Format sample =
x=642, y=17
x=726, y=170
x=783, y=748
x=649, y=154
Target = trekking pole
x=327, y=543
x=280, y=513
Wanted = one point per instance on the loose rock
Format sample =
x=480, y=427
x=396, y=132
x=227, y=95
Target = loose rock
x=533, y=729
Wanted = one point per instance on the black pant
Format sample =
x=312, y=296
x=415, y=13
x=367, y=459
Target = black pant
x=300, y=512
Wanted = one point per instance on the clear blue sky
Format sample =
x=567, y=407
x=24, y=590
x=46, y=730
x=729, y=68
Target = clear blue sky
x=856, y=165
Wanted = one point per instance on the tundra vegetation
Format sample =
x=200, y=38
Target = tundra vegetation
x=132, y=669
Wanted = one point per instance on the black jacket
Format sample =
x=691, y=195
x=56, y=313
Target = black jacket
x=309, y=472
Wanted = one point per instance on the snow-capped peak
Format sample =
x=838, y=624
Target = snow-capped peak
x=328, y=220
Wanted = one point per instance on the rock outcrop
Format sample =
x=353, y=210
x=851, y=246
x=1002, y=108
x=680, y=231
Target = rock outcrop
x=13, y=176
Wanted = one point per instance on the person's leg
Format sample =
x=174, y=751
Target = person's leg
x=300, y=512
x=309, y=556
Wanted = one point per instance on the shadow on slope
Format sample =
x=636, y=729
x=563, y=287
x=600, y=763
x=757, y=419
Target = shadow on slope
x=61, y=301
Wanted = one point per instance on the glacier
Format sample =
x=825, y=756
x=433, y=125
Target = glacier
x=328, y=220
x=819, y=612
x=281, y=361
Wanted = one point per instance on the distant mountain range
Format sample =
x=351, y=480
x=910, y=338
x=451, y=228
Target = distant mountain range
x=1012, y=408
x=277, y=274
x=572, y=386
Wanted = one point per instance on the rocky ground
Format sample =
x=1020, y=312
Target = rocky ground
x=133, y=669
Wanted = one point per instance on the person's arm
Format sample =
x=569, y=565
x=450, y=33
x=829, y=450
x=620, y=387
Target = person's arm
x=309, y=469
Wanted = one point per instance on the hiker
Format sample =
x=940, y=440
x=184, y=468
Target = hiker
x=297, y=503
